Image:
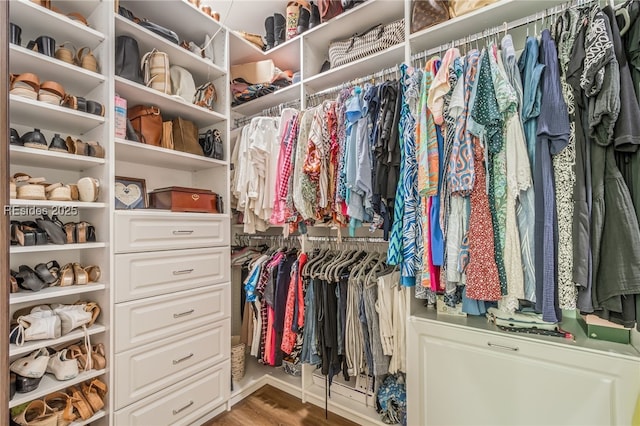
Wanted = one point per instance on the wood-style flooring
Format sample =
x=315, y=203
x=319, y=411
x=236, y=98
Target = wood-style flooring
x=269, y=406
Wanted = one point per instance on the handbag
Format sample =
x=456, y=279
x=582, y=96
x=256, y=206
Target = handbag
x=182, y=83
x=167, y=135
x=185, y=136
x=147, y=121
x=127, y=64
x=205, y=51
x=461, y=7
x=212, y=145
x=329, y=9
x=161, y=31
x=206, y=96
x=155, y=66
x=426, y=13
x=359, y=46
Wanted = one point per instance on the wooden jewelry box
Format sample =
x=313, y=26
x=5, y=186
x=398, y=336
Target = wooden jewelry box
x=181, y=199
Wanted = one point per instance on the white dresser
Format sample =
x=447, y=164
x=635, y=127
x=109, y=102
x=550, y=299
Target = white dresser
x=171, y=316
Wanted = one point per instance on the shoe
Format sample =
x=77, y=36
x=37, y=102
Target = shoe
x=13, y=282
x=88, y=189
x=95, y=108
x=58, y=144
x=26, y=84
x=15, y=34
x=81, y=276
x=30, y=280
x=41, y=235
x=314, y=20
x=15, y=138
x=53, y=229
x=279, y=29
x=269, y=28
x=43, y=44
x=58, y=192
x=41, y=323
x=67, y=276
x=85, y=232
x=12, y=385
x=49, y=272
x=22, y=235
x=94, y=273
x=76, y=146
x=80, y=404
x=94, y=392
x=62, y=405
x=94, y=149
x=37, y=413
x=62, y=367
x=32, y=366
x=303, y=20
x=71, y=316
x=27, y=384
x=52, y=93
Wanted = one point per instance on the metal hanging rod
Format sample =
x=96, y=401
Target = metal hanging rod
x=505, y=27
x=274, y=111
x=371, y=77
x=348, y=239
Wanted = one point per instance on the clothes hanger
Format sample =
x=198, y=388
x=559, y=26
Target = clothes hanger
x=624, y=12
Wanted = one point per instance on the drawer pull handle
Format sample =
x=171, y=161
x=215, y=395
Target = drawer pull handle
x=184, y=314
x=179, y=410
x=507, y=348
x=183, y=272
x=182, y=232
x=178, y=361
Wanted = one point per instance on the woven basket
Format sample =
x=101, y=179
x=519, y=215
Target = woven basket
x=237, y=358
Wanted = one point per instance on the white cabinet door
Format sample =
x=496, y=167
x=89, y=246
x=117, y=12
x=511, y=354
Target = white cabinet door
x=470, y=377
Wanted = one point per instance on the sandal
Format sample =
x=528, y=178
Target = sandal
x=76, y=352
x=94, y=273
x=13, y=282
x=85, y=233
x=51, y=92
x=32, y=190
x=41, y=235
x=86, y=60
x=94, y=392
x=78, y=17
x=94, y=149
x=37, y=413
x=66, y=54
x=70, y=232
x=98, y=356
x=81, y=276
x=26, y=84
x=76, y=146
x=62, y=405
x=75, y=102
x=53, y=229
x=30, y=280
x=67, y=276
x=58, y=192
x=49, y=272
x=88, y=189
x=80, y=404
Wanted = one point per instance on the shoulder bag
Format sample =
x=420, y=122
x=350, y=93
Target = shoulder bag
x=185, y=136
x=155, y=66
x=128, y=59
x=161, y=31
x=147, y=121
x=212, y=145
x=426, y=13
x=206, y=96
x=375, y=39
x=182, y=83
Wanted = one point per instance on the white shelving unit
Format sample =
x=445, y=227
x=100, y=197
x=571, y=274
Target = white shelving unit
x=26, y=114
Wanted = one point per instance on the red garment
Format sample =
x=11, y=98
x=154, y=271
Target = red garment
x=482, y=273
x=289, y=336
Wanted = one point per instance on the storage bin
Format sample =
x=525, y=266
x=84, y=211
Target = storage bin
x=237, y=358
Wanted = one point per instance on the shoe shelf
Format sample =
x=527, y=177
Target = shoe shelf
x=286, y=94
x=59, y=204
x=136, y=152
x=74, y=79
x=285, y=56
x=201, y=69
x=65, y=28
x=49, y=384
x=55, y=247
x=22, y=155
x=51, y=292
x=355, y=69
x=170, y=106
x=77, y=334
x=52, y=117
x=486, y=17
x=100, y=414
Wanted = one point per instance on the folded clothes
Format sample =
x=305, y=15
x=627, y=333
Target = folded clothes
x=519, y=319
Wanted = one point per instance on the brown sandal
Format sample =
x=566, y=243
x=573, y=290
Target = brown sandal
x=67, y=275
x=62, y=405
x=94, y=273
x=79, y=402
x=86, y=60
x=81, y=276
x=94, y=392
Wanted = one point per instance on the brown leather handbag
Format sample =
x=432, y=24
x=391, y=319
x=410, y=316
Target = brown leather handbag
x=426, y=13
x=147, y=122
x=185, y=136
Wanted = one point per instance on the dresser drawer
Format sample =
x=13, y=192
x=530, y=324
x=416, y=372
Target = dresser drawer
x=149, y=368
x=148, y=320
x=146, y=231
x=142, y=275
x=180, y=404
